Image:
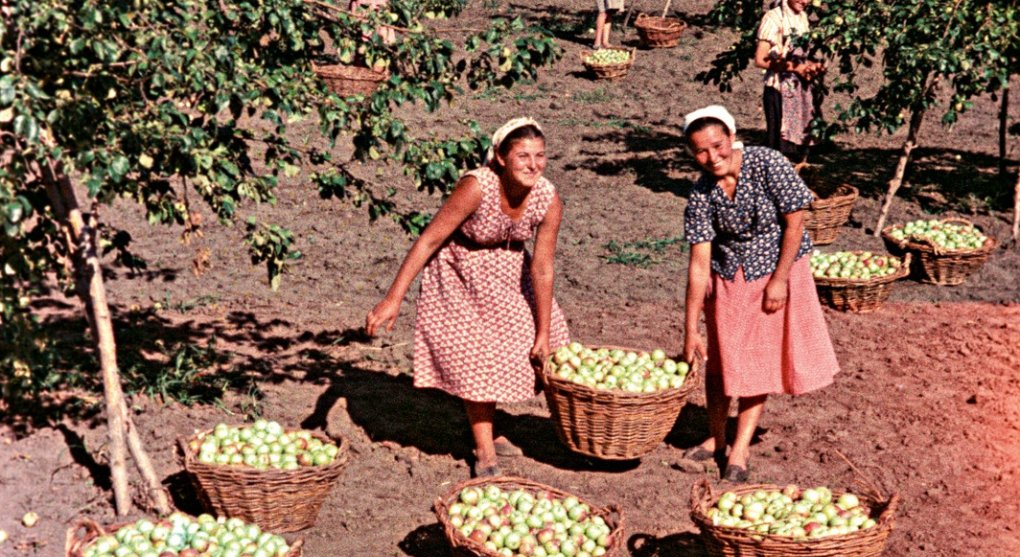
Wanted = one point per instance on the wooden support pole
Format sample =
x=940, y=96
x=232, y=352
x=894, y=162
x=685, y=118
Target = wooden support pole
x=901, y=168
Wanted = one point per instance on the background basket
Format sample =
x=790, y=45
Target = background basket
x=607, y=71
x=84, y=531
x=831, y=208
x=347, y=81
x=277, y=500
x=723, y=541
x=935, y=265
x=659, y=32
x=465, y=547
x=610, y=424
x=859, y=296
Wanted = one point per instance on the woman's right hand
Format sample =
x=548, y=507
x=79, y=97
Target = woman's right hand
x=694, y=347
x=384, y=313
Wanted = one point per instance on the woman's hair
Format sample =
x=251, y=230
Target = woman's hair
x=702, y=123
x=523, y=132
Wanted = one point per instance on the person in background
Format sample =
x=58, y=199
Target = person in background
x=386, y=33
x=603, y=25
x=765, y=330
x=788, y=99
x=486, y=313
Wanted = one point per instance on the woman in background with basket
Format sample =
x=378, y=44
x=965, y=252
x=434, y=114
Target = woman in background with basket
x=486, y=313
x=766, y=332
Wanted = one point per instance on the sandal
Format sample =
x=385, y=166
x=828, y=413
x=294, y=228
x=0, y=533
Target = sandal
x=698, y=453
x=737, y=474
x=505, y=448
x=492, y=471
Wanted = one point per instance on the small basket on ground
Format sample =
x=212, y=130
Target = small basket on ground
x=465, y=547
x=349, y=80
x=724, y=541
x=84, y=531
x=612, y=424
x=276, y=500
x=937, y=265
x=608, y=71
x=659, y=32
x=831, y=208
x=859, y=295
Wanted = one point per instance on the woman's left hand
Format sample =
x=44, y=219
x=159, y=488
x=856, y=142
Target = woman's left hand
x=776, y=292
x=540, y=351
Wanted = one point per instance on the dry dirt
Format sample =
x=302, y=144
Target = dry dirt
x=927, y=403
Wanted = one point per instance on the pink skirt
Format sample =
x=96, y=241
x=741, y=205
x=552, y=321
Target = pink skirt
x=757, y=353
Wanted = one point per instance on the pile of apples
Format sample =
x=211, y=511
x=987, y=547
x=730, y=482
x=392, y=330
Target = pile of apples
x=945, y=235
x=180, y=534
x=800, y=514
x=262, y=445
x=523, y=523
x=852, y=265
x=607, y=57
x=624, y=370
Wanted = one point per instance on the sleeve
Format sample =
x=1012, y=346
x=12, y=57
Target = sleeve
x=698, y=218
x=785, y=187
x=771, y=28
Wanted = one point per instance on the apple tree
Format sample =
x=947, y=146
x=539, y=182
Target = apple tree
x=184, y=107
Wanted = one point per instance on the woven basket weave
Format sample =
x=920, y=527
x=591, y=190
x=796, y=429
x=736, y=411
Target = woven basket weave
x=464, y=547
x=347, y=81
x=936, y=265
x=856, y=295
x=723, y=541
x=85, y=531
x=607, y=71
x=831, y=208
x=276, y=500
x=611, y=424
x=659, y=32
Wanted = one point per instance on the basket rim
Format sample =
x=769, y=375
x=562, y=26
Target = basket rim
x=349, y=71
x=903, y=271
x=913, y=242
x=836, y=197
x=191, y=463
x=672, y=23
x=442, y=503
x=883, y=523
x=584, y=54
x=689, y=385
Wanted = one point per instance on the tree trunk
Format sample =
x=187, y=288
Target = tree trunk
x=1003, y=122
x=1016, y=208
x=123, y=435
x=901, y=168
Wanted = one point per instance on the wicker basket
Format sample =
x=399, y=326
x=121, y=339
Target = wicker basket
x=936, y=265
x=84, y=531
x=856, y=295
x=462, y=546
x=607, y=71
x=611, y=424
x=831, y=208
x=276, y=500
x=347, y=81
x=725, y=541
x=659, y=32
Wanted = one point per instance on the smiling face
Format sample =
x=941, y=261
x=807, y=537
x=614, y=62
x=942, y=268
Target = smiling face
x=712, y=147
x=797, y=6
x=524, y=162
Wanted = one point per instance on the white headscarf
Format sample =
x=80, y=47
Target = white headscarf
x=718, y=112
x=499, y=135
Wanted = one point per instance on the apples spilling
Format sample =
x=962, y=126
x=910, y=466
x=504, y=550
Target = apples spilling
x=945, y=235
x=862, y=265
x=625, y=370
x=800, y=514
x=180, y=534
x=519, y=523
x=261, y=445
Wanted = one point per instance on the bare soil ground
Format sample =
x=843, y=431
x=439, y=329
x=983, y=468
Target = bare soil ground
x=927, y=403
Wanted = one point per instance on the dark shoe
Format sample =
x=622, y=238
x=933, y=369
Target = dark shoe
x=737, y=474
x=700, y=454
x=506, y=448
x=486, y=471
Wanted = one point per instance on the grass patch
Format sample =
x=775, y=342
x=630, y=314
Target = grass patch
x=595, y=96
x=642, y=253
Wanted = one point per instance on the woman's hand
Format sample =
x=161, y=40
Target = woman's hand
x=540, y=351
x=776, y=292
x=384, y=313
x=694, y=347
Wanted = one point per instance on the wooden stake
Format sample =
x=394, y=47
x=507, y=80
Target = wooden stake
x=901, y=168
x=666, y=9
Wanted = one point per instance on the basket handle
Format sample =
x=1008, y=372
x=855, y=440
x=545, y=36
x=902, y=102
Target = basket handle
x=74, y=542
x=295, y=548
x=958, y=220
x=699, y=492
x=617, y=533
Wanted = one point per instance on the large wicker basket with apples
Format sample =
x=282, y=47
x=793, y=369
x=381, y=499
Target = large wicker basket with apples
x=347, y=80
x=856, y=281
x=659, y=32
x=261, y=473
x=492, y=517
x=615, y=403
x=764, y=520
x=608, y=63
x=831, y=208
x=945, y=251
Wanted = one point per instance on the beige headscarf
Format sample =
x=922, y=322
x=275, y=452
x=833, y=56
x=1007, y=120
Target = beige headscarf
x=718, y=112
x=499, y=135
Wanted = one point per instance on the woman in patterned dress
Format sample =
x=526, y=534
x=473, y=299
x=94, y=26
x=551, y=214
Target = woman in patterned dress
x=765, y=329
x=486, y=312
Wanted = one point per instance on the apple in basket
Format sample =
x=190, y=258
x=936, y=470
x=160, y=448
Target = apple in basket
x=852, y=265
x=535, y=524
x=182, y=535
x=799, y=514
x=945, y=235
x=262, y=445
x=617, y=369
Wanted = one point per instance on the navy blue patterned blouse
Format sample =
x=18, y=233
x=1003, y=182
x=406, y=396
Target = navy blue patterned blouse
x=746, y=231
